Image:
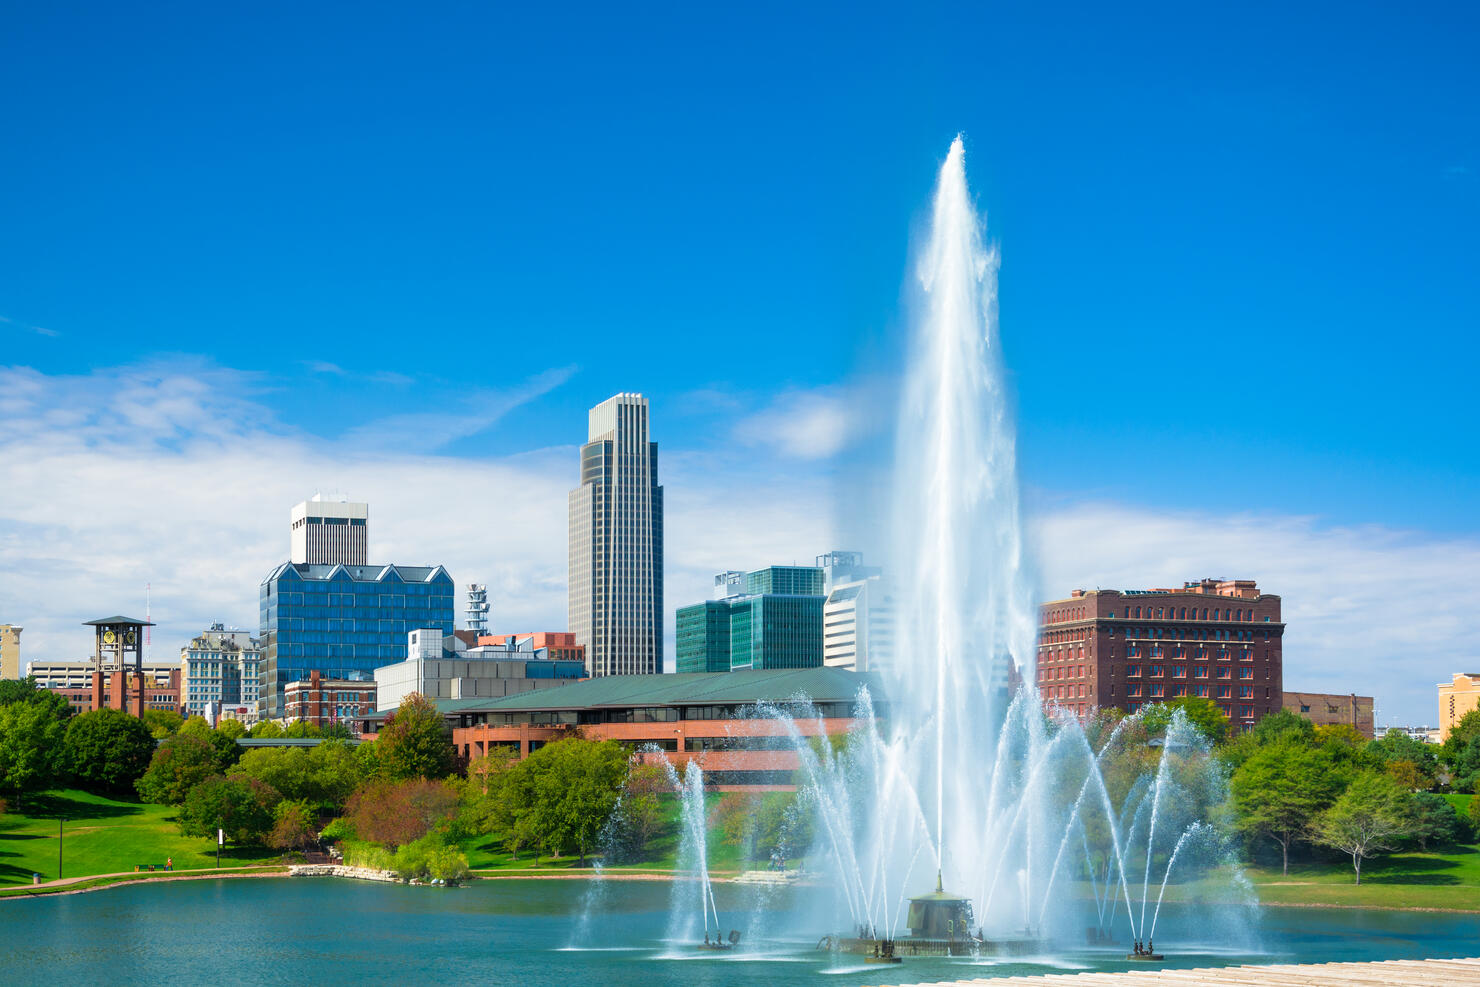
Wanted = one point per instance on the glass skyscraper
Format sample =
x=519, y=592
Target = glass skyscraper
x=770, y=618
x=616, y=543
x=344, y=621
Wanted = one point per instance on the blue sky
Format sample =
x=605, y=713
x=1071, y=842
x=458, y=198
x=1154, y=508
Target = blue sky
x=1238, y=251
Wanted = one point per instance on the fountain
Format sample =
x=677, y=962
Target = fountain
x=967, y=778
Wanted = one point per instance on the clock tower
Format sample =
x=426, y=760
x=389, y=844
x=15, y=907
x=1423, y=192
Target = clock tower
x=117, y=640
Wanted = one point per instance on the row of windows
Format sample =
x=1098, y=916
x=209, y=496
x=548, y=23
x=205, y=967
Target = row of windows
x=1180, y=613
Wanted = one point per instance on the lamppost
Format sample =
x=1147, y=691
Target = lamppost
x=59, y=848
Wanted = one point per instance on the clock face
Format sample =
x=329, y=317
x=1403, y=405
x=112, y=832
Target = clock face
x=109, y=637
x=131, y=637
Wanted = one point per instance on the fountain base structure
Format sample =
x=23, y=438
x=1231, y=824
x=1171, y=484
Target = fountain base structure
x=940, y=924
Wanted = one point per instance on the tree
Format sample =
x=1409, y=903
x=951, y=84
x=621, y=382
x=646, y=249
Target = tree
x=266, y=730
x=1407, y=774
x=301, y=729
x=1279, y=790
x=30, y=746
x=107, y=750
x=1204, y=714
x=322, y=777
x=1434, y=821
x=162, y=722
x=292, y=827
x=27, y=691
x=414, y=743
x=1372, y=816
x=394, y=813
x=226, y=748
x=638, y=818
x=232, y=730
x=242, y=807
x=1281, y=725
x=179, y=764
x=562, y=795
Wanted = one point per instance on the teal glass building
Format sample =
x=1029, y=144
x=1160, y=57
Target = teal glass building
x=344, y=621
x=770, y=618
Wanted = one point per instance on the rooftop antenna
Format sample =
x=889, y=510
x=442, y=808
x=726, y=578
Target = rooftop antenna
x=149, y=621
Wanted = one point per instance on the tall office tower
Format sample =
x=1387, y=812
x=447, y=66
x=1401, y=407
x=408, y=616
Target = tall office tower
x=616, y=543
x=329, y=531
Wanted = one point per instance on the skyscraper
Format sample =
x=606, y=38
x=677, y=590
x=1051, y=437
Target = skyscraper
x=616, y=543
x=329, y=532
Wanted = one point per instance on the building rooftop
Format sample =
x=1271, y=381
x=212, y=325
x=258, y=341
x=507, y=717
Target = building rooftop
x=361, y=573
x=745, y=687
x=115, y=621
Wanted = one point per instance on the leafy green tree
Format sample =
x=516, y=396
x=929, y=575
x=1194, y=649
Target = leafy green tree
x=232, y=730
x=162, y=722
x=562, y=795
x=1465, y=765
x=1434, y=821
x=1395, y=746
x=1463, y=731
x=1474, y=814
x=1281, y=789
x=1282, y=725
x=30, y=746
x=292, y=826
x=301, y=730
x=107, y=750
x=266, y=730
x=27, y=691
x=638, y=818
x=226, y=748
x=1200, y=712
x=335, y=731
x=179, y=764
x=415, y=741
x=322, y=777
x=1373, y=816
x=243, y=807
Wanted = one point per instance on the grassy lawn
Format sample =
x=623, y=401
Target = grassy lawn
x=487, y=852
x=102, y=836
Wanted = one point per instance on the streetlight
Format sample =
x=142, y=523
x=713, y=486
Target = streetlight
x=60, y=821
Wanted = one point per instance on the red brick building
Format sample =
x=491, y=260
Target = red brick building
x=109, y=689
x=1218, y=639
x=322, y=701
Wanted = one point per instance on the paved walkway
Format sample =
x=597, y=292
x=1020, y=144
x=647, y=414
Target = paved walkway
x=1385, y=973
x=156, y=875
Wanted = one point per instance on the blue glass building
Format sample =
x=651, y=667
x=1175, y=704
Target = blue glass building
x=344, y=621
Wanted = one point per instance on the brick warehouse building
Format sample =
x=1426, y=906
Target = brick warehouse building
x=1216, y=638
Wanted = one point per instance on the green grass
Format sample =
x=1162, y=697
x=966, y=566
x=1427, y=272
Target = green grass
x=102, y=836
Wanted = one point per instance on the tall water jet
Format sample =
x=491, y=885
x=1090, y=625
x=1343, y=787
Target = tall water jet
x=965, y=610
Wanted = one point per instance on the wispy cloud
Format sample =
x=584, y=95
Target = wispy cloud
x=815, y=424
x=38, y=330
x=1456, y=171
x=458, y=415
x=327, y=369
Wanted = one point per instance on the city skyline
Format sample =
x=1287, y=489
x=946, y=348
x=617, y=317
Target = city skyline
x=1239, y=332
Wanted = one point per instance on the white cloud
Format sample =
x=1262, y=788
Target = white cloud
x=1371, y=610
x=172, y=475
x=175, y=474
x=801, y=424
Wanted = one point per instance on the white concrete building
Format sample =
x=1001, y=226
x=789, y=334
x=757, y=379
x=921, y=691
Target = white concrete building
x=329, y=531
x=858, y=614
x=441, y=667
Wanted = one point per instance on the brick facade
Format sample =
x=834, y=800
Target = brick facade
x=1219, y=639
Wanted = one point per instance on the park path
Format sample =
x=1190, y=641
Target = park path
x=132, y=876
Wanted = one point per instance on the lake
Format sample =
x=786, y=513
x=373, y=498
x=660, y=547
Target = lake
x=531, y=933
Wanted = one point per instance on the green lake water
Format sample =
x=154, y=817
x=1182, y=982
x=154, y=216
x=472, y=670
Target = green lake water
x=530, y=933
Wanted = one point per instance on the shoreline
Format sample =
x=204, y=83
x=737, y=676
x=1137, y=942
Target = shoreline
x=106, y=881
